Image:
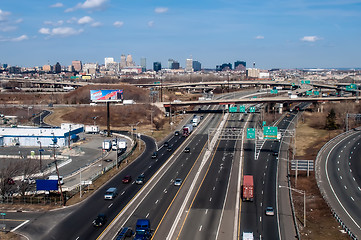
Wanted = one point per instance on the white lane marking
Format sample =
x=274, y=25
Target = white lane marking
x=156, y=202
x=165, y=190
x=13, y=230
x=214, y=188
x=206, y=211
x=354, y=179
x=122, y=193
x=77, y=238
x=200, y=228
x=210, y=199
x=110, y=205
x=341, y=177
x=147, y=215
x=352, y=199
x=345, y=187
x=260, y=219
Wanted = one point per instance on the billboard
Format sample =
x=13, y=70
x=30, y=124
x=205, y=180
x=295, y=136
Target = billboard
x=107, y=94
x=47, y=185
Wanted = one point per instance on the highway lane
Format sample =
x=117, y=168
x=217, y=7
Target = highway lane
x=205, y=215
x=156, y=203
x=338, y=176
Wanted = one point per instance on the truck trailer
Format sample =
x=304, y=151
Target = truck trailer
x=187, y=129
x=107, y=145
x=247, y=188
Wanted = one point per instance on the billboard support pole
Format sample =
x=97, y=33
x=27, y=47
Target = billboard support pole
x=108, y=119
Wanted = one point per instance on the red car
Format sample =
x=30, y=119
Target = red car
x=127, y=179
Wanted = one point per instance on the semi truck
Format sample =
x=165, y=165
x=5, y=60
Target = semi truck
x=142, y=230
x=107, y=145
x=196, y=120
x=91, y=129
x=247, y=188
x=187, y=129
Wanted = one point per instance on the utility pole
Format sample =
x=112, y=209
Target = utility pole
x=57, y=170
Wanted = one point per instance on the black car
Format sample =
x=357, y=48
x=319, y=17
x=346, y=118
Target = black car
x=187, y=150
x=169, y=148
x=166, y=144
x=100, y=220
x=140, y=179
x=176, y=133
x=155, y=155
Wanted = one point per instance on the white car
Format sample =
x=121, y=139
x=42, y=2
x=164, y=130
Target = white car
x=270, y=211
x=178, y=182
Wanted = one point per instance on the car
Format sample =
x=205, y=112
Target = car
x=187, y=150
x=140, y=179
x=169, y=148
x=176, y=133
x=275, y=153
x=29, y=180
x=127, y=179
x=124, y=233
x=177, y=182
x=10, y=181
x=270, y=211
x=111, y=193
x=154, y=155
x=202, y=117
x=166, y=144
x=100, y=220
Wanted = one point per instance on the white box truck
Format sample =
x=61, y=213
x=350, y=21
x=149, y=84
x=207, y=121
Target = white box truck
x=107, y=145
x=91, y=129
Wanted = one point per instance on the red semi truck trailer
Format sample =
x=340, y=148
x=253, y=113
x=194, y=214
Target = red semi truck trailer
x=247, y=188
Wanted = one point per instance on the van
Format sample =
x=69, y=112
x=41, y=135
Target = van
x=55, y=177
x=111, y=193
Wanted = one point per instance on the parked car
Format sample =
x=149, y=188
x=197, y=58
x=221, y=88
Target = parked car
x=29, y=180
x=127, y=179
x=10, y=181
x=100, y=220
x=140, y=179
x=177, y=182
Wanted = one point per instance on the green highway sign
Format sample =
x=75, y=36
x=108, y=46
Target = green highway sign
x=307, y=81
x=316, y=93
x=270, y=132
x=351, y=87
x=156, y=82
x=242, y=108
x=274, y=91
x=251, y=133
x=3, y=214
x=233, y=109
x=302, y=82
x=252, y=109
x=308, y=93
x=263, y=123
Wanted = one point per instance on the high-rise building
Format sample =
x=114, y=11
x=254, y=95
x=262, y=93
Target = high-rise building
x=47, y=68
x=77, y=65
x=108, y=60
x=157, y=66
x=123, y=61
x=189, y=65
x=57, y=68
x=143, y=64
x=90, y=68
x=114, y=66
x=197, y=66
x=129, y=61
x=240, y=65
x=224, y=67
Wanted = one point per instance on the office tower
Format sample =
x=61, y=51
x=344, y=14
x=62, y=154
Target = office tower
x=224, y=67
x=129, y=61
x=189, y=65
x=77, y=65
x=197, y=66
x=143, y=64
x=157, y=66
x=108, y=60
x=123, y=61
x=240, y=65
x=47, y=68
x=57, y=68
x=90, y=68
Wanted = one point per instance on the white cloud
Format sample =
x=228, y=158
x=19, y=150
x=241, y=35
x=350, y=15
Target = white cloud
x=161, y=10
x=60, y=31
x=20, y=20
x=17, y=39
x=118, y=24
x=96, y=24
x=150, y=23
x=58, y=23
x=310, y=39
x=89, y=4
x=57, y=5
x=259, y=37
x=4, y=28
x=85, y=20
x=3, y=15
x=21, y=38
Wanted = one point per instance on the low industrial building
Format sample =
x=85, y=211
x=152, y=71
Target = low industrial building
x=25, y=136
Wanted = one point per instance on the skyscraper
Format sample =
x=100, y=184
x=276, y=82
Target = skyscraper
x=189, y=65
x=240, y=65
x=57, y=68
x=77, y=65
x=129, y=61
x=143, y=64
x=157, y=66
x=123, y=61
x=108, y=60
x=197, y=66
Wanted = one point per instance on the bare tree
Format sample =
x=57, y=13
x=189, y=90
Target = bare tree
x=7, y=174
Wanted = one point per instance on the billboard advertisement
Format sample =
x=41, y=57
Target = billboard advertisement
x=46, y=185
x=107, y=94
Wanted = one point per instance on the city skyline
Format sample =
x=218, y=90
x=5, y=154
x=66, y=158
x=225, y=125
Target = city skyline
x=273, y=34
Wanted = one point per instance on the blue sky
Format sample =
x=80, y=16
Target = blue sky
x=271, y=33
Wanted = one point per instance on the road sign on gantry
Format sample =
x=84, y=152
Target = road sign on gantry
x=251, y=133
x=252, y=109
x=233, y=109
x=270, y=132
x=242, y=108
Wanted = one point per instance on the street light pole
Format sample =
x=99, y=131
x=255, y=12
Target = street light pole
x=40, y=150
x=304, y=201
